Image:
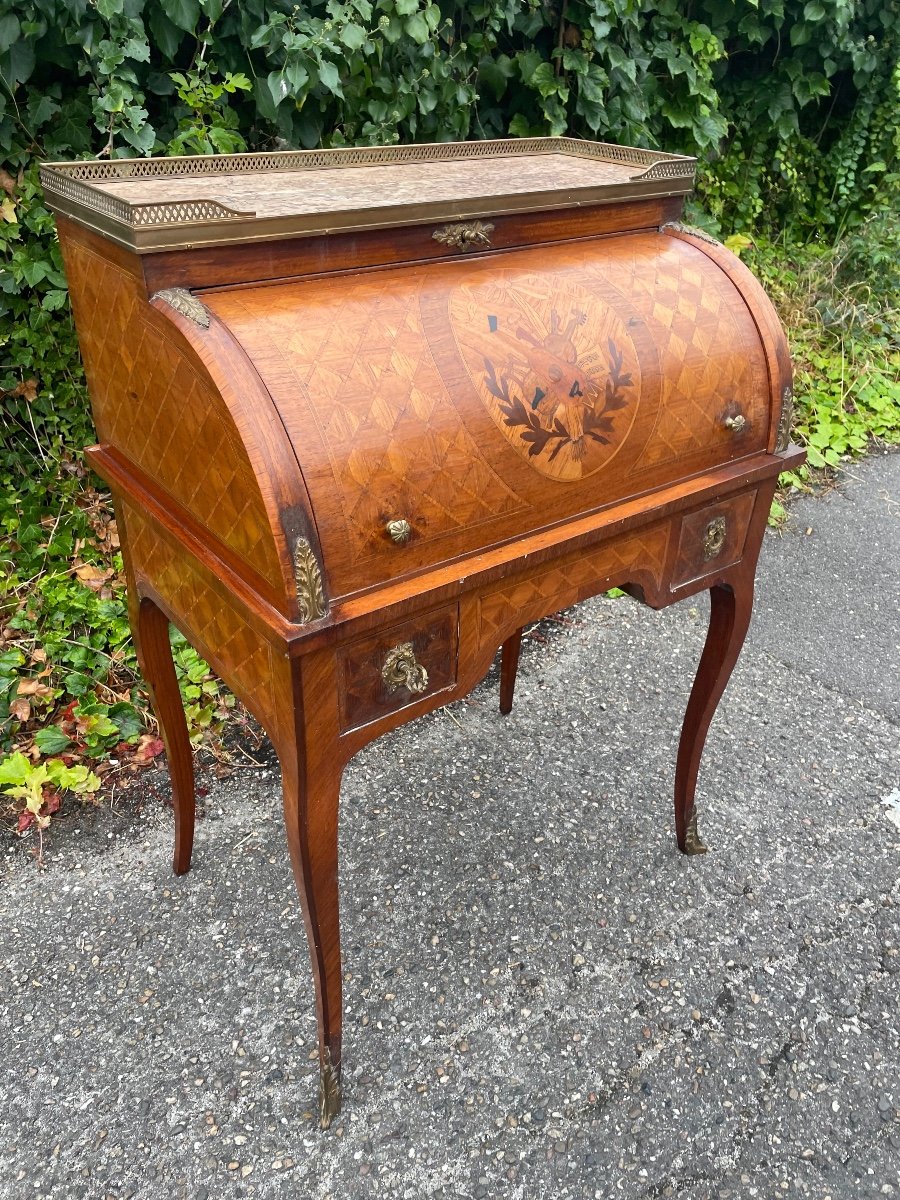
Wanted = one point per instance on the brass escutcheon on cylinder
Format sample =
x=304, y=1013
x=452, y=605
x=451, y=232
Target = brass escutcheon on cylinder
x=714, y=538
x=737, y=423
x=399, y=530
x=401, y=670
x=465, y=235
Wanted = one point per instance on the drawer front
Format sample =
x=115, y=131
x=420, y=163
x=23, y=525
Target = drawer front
x=397, y=667
x=712, y=539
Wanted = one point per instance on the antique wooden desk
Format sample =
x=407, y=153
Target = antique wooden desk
x=365, y=413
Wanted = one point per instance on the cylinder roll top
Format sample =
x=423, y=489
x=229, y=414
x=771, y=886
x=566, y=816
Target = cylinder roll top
x=442, y=409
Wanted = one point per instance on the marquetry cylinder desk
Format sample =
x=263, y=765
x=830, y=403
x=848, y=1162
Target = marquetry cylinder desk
x=365, y=413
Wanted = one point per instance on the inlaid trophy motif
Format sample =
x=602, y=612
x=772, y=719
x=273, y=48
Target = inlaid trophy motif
x=557, y=371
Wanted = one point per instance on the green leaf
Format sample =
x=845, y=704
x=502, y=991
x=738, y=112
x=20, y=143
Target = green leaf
x=51, y=740
x=417, y=28
x=528, y=61
x=109, y=8
x=622, y=61
x=329, y=77
x=353, y=36
x=297, y=76
x=166, y=35
x=545, y=80
x=14, y=769
x=405, y=8
x=183, y=13
x=98, y=725
x=143, y=139
x=17, y=64
x=278, y=86
x=76, y=779
x=495, y=73
x=126, y=719
x=33, y=272
x=738, y=242
x=40, y=109
x=137, y=49
x=800, y=34
x=9, y=31
x=55, y=299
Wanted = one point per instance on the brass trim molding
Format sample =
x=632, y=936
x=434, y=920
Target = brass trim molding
x=692, y=841
x=785, y=421
x=329, y=1091
x=183, y=302
x=82, y=191
x=658, y=164
x=308, y=576
x=692, y=231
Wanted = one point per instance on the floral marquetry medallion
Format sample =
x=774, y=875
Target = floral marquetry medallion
x=554, y=366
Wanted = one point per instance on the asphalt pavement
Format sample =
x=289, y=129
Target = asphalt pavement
x=543, y=998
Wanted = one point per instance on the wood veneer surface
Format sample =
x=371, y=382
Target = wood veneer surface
x=481, y=399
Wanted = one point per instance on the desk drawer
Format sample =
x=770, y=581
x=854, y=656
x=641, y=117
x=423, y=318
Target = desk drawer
x=392, y=669
x=711, y=539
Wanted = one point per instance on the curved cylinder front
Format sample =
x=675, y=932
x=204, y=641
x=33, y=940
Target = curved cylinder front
x=472, y=401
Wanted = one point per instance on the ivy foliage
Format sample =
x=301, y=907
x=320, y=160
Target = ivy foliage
x=792, y=103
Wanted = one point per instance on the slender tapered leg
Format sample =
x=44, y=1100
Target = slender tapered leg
x=155, y=656
x=509, y=665
x=729, y=620
x=311, y=795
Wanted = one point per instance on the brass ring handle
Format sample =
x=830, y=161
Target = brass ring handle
x=736, y=424
x=401, y=670
x=714, y=538
x=399, y=530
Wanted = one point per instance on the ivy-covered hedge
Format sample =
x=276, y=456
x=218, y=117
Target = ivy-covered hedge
x=792, y=103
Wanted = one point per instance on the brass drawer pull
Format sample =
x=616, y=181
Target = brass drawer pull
x=470, y=235
x=714, y=538
x=736, y=424
x=401, y=670
x=399, y=531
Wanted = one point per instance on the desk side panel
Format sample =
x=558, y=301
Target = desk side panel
x=155, y=402
x=242, y=649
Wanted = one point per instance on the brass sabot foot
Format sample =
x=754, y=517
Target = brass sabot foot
x=329, y=1092
x=692, y=842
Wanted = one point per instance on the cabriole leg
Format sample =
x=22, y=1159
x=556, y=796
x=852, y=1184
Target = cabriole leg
x=728, y=623
x=151, y=627
x=509, y=665
x=311, y=820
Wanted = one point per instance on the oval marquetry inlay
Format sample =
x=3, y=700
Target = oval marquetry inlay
x=554, y=366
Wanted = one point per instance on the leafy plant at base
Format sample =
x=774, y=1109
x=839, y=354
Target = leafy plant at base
x=841, y=306
x=36, y=785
